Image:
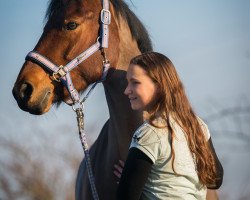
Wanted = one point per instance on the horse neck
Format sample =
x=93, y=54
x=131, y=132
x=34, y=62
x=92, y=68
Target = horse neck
x=123, y=121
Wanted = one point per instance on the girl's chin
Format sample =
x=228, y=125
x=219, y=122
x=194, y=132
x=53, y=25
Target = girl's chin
x=136, y=107
x=133, y=106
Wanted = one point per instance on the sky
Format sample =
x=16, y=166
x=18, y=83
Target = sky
x=208, y=42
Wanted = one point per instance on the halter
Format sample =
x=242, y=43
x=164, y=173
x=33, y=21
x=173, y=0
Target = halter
x=62, y=74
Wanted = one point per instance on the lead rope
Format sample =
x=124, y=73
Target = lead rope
x=83, y=139
x=80, y=123
x=82, y=136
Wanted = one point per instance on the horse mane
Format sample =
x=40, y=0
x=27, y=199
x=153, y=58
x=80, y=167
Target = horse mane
x=138, y=31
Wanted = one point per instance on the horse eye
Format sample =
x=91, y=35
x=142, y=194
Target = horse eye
x=71, y=26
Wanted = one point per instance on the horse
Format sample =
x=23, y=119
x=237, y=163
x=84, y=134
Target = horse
x=71, y=27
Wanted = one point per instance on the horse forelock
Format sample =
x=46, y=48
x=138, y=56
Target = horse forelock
x=138, y=31
x=56, y=6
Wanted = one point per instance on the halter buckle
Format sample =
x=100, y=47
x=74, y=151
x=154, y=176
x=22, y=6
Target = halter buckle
x=105, y=16
x=60, y=73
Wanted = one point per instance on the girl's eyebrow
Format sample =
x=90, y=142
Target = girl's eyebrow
x=132, y=79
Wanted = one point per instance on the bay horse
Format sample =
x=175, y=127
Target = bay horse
x=71, y=27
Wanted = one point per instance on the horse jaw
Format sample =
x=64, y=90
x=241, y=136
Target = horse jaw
x=68, y=101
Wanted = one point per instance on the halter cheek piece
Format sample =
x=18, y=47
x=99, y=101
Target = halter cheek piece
x=62, y=74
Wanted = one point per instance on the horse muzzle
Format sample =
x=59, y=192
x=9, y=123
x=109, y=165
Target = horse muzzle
x=29, y=100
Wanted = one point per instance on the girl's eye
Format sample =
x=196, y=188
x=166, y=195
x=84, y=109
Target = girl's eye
x=135, y=82
x=71, y=26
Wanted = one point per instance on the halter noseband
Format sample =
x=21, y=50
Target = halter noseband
x=63, y=72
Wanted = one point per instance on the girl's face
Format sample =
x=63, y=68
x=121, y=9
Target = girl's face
x=141, y=90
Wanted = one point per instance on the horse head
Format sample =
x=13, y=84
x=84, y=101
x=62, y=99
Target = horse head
x=72, y=26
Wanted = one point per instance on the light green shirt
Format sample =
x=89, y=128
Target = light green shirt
x=162, y=182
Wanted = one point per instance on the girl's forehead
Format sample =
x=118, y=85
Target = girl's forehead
x=135, y=70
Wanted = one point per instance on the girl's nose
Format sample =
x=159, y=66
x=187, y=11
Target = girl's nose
x=127, y=91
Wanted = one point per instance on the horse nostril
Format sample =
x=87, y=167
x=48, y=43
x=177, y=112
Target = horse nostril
x=26, y=90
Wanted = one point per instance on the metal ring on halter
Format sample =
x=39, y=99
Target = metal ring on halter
x=54, y=77
x=80, y=105
x=97, y=38
x=105, y=59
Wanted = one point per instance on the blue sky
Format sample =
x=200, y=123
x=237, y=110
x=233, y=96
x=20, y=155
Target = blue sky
x=208, y=41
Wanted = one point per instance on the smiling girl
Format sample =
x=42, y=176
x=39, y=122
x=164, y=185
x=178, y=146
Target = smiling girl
x=171, y=155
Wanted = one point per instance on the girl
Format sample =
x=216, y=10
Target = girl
x=171, y=155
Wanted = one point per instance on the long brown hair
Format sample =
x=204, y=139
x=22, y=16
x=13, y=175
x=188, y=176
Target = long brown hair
x=172, y=99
